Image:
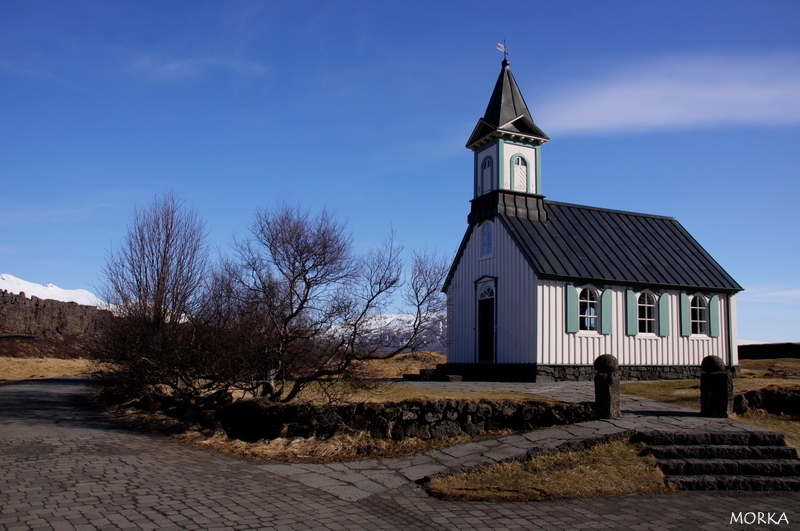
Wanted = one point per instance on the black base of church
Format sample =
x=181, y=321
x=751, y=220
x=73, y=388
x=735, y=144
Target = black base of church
x=532, y=372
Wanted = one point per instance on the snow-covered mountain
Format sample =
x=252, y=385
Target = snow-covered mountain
x=16, y=285
x=393, y=330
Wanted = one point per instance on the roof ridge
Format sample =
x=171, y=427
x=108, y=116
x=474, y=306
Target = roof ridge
x=609, y=210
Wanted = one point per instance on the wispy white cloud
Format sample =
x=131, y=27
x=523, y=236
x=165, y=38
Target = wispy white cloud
x=684, y=92
x=155, y=68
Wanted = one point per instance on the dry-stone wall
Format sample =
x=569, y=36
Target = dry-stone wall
x=19, y=313
x=773, y=399
x=253, y=420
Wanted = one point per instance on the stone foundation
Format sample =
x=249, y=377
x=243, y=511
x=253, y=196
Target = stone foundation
x=531, y=372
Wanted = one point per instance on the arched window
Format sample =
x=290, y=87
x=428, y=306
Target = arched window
x=486, y=293
x=699, y=315
x=487, y=239
x=587, y=305
x=486, y=175
x=647, y=313
x=520, y=182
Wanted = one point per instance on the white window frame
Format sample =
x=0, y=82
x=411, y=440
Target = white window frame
x=650, y=318
x=698, y=315
x=590, y=313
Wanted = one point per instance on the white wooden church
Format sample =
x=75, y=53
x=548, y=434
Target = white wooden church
x=539, y=289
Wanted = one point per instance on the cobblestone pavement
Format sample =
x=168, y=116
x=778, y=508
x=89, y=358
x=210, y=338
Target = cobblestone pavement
x=63, y=466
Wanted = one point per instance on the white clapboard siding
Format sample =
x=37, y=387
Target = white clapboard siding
x=556, y=347
x=515, y=301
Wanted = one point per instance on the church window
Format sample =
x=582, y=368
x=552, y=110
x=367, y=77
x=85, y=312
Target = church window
x=486, y=175
x=647, y=313
x=587, y=304
x=487, y=239
x=699, y=315
x=520, y=174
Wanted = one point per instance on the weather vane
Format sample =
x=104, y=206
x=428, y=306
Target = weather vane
x=502, y=48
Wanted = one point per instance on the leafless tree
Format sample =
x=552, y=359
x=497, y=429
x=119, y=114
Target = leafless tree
x=312, y=308
x=154, y=282
x=294, y=307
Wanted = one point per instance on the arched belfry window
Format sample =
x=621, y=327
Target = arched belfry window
x=520, y=179
x=487, y=239
x=587, y=309
x=487, y=172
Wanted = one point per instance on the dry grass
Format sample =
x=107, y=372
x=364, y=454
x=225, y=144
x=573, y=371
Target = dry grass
x=788, y=426
x=397, y=392
x=612, y=469
x=770, y=368
x=685, y=393
x=410, y=363
x=17, y=369
x=340, y=447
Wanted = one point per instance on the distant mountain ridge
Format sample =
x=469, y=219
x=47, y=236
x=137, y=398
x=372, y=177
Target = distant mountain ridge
x=16, y=285
x=389, y=329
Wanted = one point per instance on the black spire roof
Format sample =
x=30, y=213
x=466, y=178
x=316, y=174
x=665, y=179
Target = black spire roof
x=506, y=113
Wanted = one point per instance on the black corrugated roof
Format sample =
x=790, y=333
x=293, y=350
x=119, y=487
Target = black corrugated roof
x=588, y=244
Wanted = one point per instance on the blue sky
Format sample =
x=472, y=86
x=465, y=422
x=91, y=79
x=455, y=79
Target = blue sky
x=685, y=109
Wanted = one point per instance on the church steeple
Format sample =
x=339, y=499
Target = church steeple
x=506, y=114
x=506, y=142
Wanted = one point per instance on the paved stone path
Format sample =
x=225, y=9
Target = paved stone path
x=63, y=466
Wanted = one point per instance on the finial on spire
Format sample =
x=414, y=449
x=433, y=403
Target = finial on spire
x=502, y=48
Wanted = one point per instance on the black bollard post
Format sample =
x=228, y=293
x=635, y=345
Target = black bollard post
x=606, y=387
x=716, y=388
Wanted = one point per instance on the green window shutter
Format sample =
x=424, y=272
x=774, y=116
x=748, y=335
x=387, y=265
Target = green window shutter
x=572, y=308
x=631, y=313
x=686, y=322
x=607, y=312
x=663, y=315
x=713, y=316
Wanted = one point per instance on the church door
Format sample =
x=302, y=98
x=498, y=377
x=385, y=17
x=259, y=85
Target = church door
x=486, y=325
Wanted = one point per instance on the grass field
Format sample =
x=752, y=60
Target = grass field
x=16, y=369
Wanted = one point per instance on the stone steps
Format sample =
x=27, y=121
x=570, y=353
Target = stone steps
x=751, y=483
x=730, y=467
x=721, y=451
x=757, y=461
